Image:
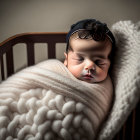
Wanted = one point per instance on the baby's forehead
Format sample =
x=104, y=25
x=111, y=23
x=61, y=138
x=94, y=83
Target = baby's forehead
x=89, y=45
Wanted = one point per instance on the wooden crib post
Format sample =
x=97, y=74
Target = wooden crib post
x=51, y=50
x=30, y=53
x=9, y=62
x=2, y=67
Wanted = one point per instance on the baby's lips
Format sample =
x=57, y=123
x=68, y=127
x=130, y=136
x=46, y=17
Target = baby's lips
x=88, y=75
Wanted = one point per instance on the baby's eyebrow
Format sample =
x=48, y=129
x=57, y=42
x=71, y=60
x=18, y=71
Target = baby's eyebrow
x=79, y=54
x=98, y=55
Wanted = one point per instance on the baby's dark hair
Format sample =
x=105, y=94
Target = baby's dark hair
x=90, y=28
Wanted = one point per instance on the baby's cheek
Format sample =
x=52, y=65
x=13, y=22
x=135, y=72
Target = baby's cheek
x=100, y=74
x=103, y=75
x=75, y=71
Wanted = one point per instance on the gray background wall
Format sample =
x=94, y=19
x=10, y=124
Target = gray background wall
x=18, y=16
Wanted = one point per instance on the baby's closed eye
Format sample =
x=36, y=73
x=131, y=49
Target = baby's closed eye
x=99, y=62
x=78, y=58
x=102, y=63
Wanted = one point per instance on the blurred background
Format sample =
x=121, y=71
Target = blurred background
x=20, y=16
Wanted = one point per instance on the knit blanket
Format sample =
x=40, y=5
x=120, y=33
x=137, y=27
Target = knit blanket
x=46, y=102
x=125, y=77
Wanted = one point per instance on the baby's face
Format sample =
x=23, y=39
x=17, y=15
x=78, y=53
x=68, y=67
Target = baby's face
x=88, y=60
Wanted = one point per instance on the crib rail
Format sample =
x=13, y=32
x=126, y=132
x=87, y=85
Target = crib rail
x=29, y=39
x=130, y=129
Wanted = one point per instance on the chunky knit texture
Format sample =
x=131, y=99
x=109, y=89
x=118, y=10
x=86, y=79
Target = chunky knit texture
x=46, y=102
x=126, y=76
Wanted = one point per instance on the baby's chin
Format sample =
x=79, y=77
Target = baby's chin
x=91, y=79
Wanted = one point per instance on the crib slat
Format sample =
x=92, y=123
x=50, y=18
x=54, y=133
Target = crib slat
x=2, y=67
x=30, y=54
x=130, y=130
x=129, y=127
x=118, y=136
x=51, y=50
x=137, y=122
x=133, y=124
x=9, y=62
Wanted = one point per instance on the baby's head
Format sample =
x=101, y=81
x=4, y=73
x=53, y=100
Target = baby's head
x=88, y=52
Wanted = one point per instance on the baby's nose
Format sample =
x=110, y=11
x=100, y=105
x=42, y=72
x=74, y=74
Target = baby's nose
x=89, y=65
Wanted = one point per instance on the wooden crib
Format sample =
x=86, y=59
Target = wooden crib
x=130, y=129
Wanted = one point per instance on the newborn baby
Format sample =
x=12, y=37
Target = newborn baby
x=88, y=57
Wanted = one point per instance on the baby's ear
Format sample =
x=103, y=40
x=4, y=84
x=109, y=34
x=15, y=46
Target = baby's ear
x=65, y=61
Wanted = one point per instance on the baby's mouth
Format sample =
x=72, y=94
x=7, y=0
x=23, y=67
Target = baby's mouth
x=87, y=76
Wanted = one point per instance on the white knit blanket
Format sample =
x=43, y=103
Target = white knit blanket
x=125, y=75
x=46, y=102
